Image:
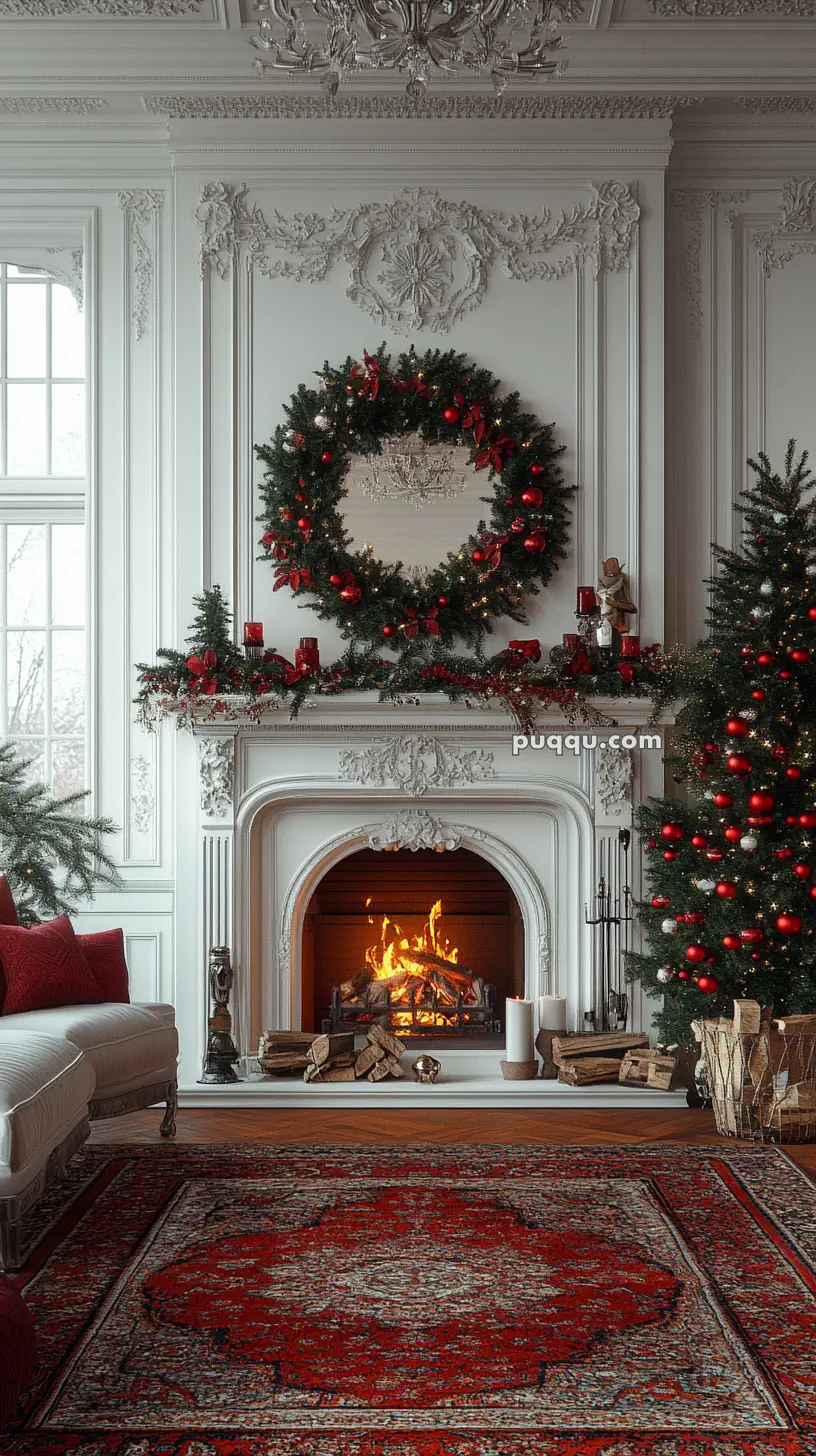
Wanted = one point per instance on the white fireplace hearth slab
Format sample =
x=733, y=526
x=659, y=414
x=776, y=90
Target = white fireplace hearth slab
x=468, y=1079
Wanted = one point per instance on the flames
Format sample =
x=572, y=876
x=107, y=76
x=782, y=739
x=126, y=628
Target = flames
x=394, y=953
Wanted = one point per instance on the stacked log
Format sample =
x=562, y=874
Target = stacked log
x=645, y=1067
x=334, y=1057
x=584, y=1060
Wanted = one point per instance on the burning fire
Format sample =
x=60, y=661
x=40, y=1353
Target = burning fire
x=393, y=953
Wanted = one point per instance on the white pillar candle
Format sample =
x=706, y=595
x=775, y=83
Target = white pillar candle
x=552, y=1013
x=519, y=1030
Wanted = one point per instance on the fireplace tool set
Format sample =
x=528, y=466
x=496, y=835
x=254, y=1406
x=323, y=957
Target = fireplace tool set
x=611, y=917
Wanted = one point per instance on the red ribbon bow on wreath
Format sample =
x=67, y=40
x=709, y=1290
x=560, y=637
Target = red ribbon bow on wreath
x=293, y=576
x=526, y=649
x=493, y=550
x=371, y=377
x=200, y=668
x=413, y=621
x=626, y=671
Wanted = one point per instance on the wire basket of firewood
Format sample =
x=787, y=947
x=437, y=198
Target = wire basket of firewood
x=761, y=1074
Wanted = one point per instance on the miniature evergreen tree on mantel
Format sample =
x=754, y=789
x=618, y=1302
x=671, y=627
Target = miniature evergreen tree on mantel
x=52, y=858
x=732, y=873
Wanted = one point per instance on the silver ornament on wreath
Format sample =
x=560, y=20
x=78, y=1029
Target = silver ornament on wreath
x=669, y=927
x=665, y=974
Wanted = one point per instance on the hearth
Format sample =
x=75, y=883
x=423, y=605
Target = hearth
x=426, y=944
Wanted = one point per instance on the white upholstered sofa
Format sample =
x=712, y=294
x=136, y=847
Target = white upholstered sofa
x=62, y=1067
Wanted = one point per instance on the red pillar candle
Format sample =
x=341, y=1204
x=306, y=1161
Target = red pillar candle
x=630, y=645
x=308, y=654
x=587, y=601
x=253, y=634
x=571, y=641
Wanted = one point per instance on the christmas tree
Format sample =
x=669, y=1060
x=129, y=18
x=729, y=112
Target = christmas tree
x=732, y=870
x=51, y=857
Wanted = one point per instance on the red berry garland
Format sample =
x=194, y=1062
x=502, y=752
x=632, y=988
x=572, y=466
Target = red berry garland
x=449, y=402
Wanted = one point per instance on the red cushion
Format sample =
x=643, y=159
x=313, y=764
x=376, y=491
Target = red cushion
x=8, y=909
x=44, y=966
x=18, y=1347
x=105, y=953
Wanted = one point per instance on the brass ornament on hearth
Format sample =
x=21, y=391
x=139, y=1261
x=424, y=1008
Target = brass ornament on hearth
x=426, y=1068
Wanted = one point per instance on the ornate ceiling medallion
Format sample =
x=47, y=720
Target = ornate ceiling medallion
x=499, y=39
x=411, y=469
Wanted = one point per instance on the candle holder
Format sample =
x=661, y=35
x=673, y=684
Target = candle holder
x=222, y=1053
x=308, y=654
x=253, y=641
x=544, y=1041
x=520, y=1071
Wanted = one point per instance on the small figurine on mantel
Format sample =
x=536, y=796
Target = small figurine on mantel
x=616, y=607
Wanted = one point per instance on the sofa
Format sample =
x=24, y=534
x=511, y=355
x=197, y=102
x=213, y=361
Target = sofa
x=61, y=1066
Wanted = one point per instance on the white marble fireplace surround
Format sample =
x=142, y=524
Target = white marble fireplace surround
x=282, y=801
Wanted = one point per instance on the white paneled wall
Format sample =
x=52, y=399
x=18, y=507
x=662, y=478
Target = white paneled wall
x=705, y=323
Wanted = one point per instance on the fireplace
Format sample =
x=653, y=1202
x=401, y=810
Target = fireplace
x=427, y=943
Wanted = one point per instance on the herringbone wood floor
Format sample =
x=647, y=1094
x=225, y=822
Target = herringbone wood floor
x=409, y=1128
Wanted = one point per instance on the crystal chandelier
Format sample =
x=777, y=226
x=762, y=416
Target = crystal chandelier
x=414, y=37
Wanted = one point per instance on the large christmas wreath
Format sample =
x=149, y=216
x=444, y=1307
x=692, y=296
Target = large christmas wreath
x=445, y=399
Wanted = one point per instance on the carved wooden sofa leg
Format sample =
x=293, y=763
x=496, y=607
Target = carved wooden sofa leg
x=10, y=1248
x=168, y=1125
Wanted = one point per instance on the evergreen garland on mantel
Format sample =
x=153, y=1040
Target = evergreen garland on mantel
x=212, y=679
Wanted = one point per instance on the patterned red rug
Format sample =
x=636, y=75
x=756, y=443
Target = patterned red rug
x=485, y=1301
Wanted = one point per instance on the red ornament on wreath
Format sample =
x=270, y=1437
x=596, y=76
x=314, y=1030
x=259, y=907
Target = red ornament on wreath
x=802, y=871
x=765, y=659
x=683, y=974
x=726, y=890
x=660, y=902
x=699, y=841
x=737, y=763
x=723, y=800
x=389, y=630
x=532, y=496
x=793, y=772
x=696, y=953
x=752, y=935
x=761, y=802
x=326, y=457
x=537, y=468
x=788, y=924
x=731, y=942
x=733, y=833
x=672, y=831
x=451, y=415
x=807, y=820
x=736, y=728
x=351, y=595
x=535, y=543
x=800, y=655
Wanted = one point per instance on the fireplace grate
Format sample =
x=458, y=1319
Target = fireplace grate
x=418, y=1014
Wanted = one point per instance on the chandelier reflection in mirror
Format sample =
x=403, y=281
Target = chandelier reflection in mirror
x=413, y=470
x=499, y=39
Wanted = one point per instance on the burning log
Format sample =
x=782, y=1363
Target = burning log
x=350, y=990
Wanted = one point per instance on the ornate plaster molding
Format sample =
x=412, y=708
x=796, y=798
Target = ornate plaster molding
x=142, y=796
x=613, y=778
x=796, y=105
x=216, y=772
x=122, y=9
x=71, y=274
x=731, y=9
x=316, y=105
x=544, y=957
x=139, y=208
x=794, y=232
x=418, y=830
x=50, y=105
x=415, y=764
x=419, y=261
x=693, y=203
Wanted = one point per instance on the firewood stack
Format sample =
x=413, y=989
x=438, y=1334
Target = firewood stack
x=761, y=1072
x=332, y=1058
x=615, y=1056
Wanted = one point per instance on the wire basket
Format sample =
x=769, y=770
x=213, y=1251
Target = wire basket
x=761, y=1080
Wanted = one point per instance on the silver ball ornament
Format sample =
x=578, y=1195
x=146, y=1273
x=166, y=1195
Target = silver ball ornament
x=665, y=974
x=767, y=588
x=669, y=927
x=322, y=422
x=707, y=886
x=749, y=843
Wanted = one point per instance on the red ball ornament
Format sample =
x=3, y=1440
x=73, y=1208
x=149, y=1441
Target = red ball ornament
x=389, y=630
x=765, y=659
x=802, y=871
x=752, y=936
x=652, y=843
x=478, y=555
x=785, y=674
x=731, y=942
x=304, y=524
x=335, y=579
x=723, y=800
x=737, y=763
x=800, y=654
x=535, y=542
x=672, y=831
x=299, y=496
x=792, y=819
x=788, y=924
x=726, y=890
x=351, y=595
x=784, y=852
x=761, y=802
x=747, y=651
x=808, y=820
x=451, y=415
x=758, y=695
x=443, y=601
x=733, y=833
x=532, y=496
x=326, y=457
x=812, y=613
x=793, y=771
x=708, y=984
x=286, y=513
x=812, y=892
x=537, y=468
x=660, y=902
x=518, y=525
x=715, y=855
x=694, y=917
x=736, y=728
x=684, y=975
x=699, y=841
x=670, y=854
x=508, y=501
x=696, y=953
x=780, y=752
